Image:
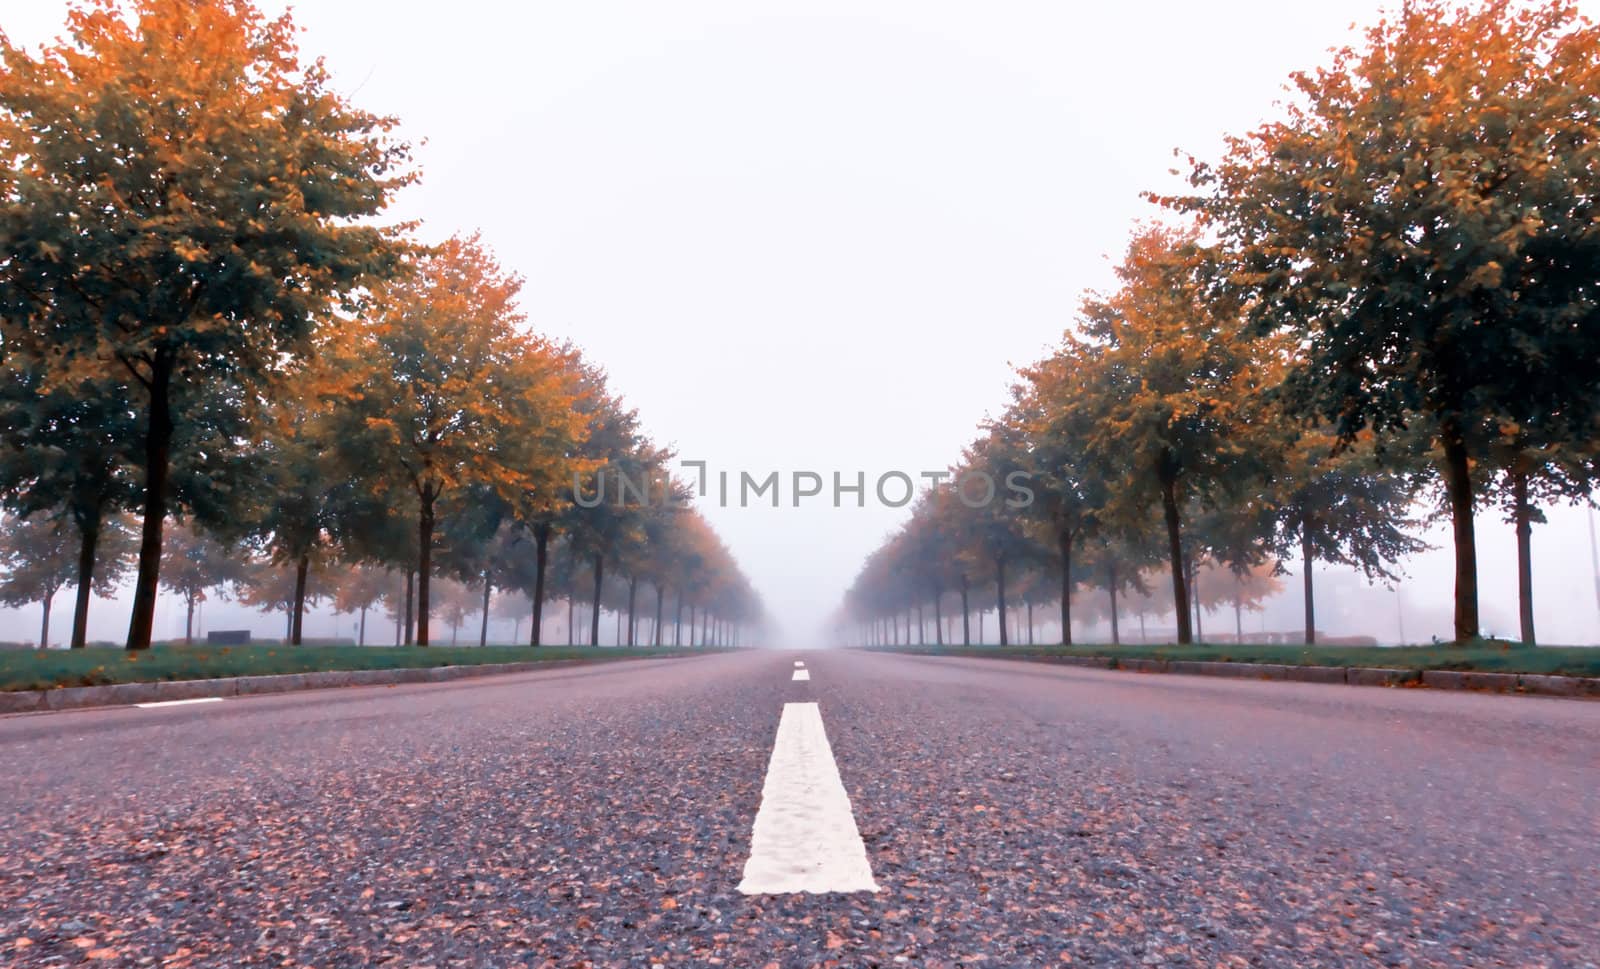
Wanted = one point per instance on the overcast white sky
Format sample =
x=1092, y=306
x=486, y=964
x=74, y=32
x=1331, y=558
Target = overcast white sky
x=818, y=235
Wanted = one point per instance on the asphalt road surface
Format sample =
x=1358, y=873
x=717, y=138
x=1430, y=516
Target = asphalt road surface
x=1011, y=814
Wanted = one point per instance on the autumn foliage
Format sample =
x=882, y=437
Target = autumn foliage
x=1393, y=285
x=197, y=273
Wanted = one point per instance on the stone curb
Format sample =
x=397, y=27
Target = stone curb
x=123, y=694
x=1526, y=683
x=1372, y=676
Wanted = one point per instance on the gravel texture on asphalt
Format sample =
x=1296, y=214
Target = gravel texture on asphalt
x=1014, y=815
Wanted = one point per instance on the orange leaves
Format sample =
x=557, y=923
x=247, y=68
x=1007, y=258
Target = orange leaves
x=445, y=387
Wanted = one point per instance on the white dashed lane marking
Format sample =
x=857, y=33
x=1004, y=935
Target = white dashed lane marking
x=805, y=837
x=798, y=664
x=178, y=703
x=802, y=675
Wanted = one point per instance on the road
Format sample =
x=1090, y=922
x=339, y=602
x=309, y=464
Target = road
x=1012, y=814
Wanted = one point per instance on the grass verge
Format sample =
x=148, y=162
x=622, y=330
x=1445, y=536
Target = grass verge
x=45, y=669
x=1485, y=658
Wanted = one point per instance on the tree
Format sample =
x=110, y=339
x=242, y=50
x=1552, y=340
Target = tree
x=1245, y=588
x=541, y=509
x=927, y=553
x=356, y=589
x=1117, y=561
x=303, y=486
x=660, y=559
x=193, y=564
x=442, y=391
x=374, y=526
x=988, y=516
x=455, y=603
x=182, y=199
x=1171, y=394
x=66, y=449
x=515, y=605
x=1422, y=220
x=1070, y=490
x=1542, y=462
x=37, y=555
x=610, y=499
x=1340, y=506
x=272, y=586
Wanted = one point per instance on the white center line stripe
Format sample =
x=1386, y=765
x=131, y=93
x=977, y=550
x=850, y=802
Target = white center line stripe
x=801, y=675
x=179, y=703
x=805, y=837
x=798, y=664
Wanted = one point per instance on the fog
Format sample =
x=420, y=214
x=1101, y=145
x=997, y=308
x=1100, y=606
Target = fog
x=817, y=236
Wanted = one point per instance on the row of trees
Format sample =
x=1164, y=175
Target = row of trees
x=1392, y=293
x=202, y=318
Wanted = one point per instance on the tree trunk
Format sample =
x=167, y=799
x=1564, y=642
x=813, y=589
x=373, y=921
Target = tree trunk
x=541, y=558
x=44, y=626
x=594, y=618
x=655, y=632
x=1000, y=596
x=677, y=619
x=157, y=471
x=424, y=559
x=188, y=619
x=1458, y=487
x=966, y=614
x=633, y=589
x=483, y=627
x=1180, y=590
x=1238, y=618
x=1522, y=515
x=302, y=566
x=88, y=538
x=1193, y=572
x=1030, y=623
x=1064, y=543
x=1305, y=566
x=361, y=634
x=1111, y=586
x=411, y=612
x=938, y=618
x=691, y=625
x=572, y=620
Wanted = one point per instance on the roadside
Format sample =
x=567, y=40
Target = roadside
x=50, y=669
x=1551, y=671
x=72, y=679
